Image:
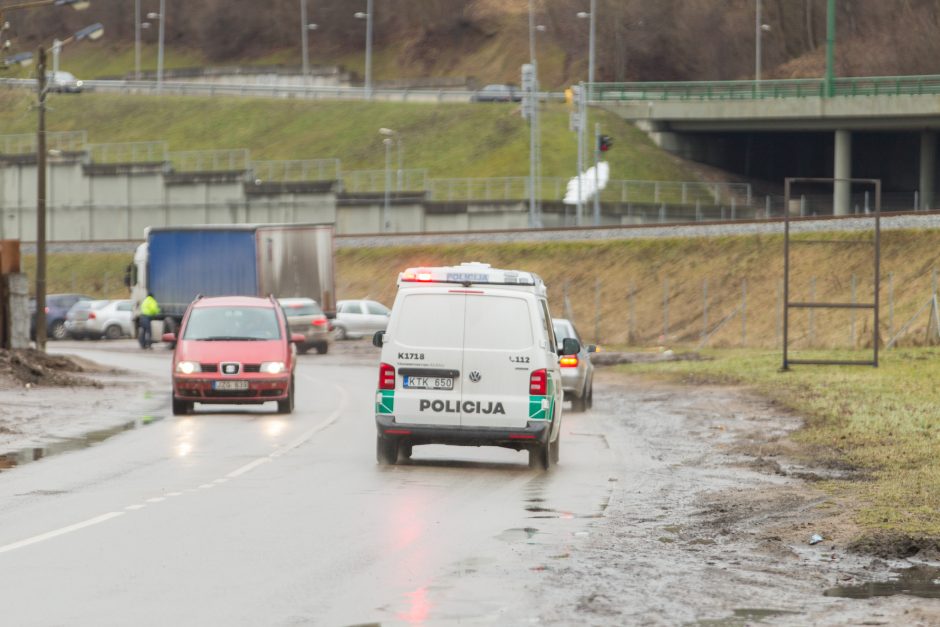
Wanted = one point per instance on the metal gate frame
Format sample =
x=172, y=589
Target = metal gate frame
x=821, y=305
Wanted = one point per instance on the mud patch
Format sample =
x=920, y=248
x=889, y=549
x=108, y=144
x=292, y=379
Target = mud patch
x=36, y=368
x=919, y=581
x=888, y=545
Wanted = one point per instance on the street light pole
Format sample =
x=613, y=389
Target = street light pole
x=303, y=38
x=160, y=46
x=757, y=42
x=591, y=42
x=41, y=205
x=137, y=40
x=369, y=50
x=388, y=183
x=56, y=49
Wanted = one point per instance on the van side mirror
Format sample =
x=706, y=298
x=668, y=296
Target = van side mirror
x=592, y=348
x=378, y=339
x=570, y=346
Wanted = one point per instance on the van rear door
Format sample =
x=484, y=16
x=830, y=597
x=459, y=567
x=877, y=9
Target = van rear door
x=427, y=344
x=500, y=351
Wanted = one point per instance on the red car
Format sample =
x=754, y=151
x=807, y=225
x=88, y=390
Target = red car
x=233, y=349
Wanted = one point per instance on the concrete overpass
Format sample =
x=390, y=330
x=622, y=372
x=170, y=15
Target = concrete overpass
x=883, y=128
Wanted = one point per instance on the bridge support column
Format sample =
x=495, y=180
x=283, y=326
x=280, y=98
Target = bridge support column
x=928, y=168
x=842, y=189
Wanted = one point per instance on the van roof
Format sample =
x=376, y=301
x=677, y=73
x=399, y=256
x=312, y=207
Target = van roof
x=470, y=273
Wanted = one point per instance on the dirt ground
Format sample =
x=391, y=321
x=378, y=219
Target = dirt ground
x=716, y=522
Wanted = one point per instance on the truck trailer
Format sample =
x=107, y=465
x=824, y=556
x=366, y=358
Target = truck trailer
x=177, y=264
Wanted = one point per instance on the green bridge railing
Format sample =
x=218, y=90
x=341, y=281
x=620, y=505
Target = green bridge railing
x=763, y=90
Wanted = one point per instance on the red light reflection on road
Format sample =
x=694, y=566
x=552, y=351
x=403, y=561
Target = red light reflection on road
x=419, y=607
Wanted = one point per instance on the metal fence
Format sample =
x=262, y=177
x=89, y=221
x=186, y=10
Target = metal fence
x=237, y=160
x=764, y=89
x=25, y=143
x=128, y=152
x=296, y=171
x=374, y=181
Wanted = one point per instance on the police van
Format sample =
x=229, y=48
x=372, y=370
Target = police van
x=469, y=358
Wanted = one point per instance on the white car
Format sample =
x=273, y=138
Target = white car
x=359, y=318
x=96, y=319
x=470, y=358
x=64, y=82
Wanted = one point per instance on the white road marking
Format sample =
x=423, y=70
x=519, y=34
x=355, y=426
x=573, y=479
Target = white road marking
x=60, y=532
x=299, y=441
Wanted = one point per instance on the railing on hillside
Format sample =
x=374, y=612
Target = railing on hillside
x=296, y=171
x=765, y=89
x=128, y=152
x=373, y=181
x=25, y=143
x=234, y=160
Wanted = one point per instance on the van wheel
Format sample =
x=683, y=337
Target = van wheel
x=404, y=450
x=113, y=332
x=302, y=349
x=555, y=449
x=322, y=348
x=590, y=395
x=287, y=405
x=386, y=450
x=340, y=332
x=181, y=408
x=540, y=457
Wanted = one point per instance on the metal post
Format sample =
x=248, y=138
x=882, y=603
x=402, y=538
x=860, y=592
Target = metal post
x=597, y=311
x=704, y=309
x=757, y=47
x=852, y=324
x=632, y=313
x=137, y=40
x=56, y=49
x=890, y=304
x=743, y=313
x=591, y=40
x=665, y=309
x=597, y=181
x=369, y=50
x=581, y=124
x=305, y=58
x=41, y=205
x=388, y=183
x=786, y=272
x=812, y=312
x=830, y=47
x=160, y=45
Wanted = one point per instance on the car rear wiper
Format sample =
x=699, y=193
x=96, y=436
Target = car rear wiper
x=230, y=338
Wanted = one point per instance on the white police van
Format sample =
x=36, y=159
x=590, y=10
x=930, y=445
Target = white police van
x=469, y=358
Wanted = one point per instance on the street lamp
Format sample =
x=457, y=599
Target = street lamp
x=397, y=137
x=759, y=29
x=367, y=16
x=388, y=141
x=162, y=16
x=305, y=28
x=593, y=29
x=93, y=32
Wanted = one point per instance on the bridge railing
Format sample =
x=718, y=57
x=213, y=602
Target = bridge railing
x=296, y=171
x=765, y=89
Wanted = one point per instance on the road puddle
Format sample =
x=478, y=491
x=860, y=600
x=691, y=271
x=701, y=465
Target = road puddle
x=743, y=616
x=33, y=454
x=919, y=581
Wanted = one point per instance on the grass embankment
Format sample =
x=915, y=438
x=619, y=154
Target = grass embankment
x=448, y=140
x=884, y=423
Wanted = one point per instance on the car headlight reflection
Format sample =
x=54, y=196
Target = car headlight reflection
x=188, y=367
x=272, y=367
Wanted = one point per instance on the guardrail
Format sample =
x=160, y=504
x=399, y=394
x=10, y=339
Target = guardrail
x=309, y=92
x=373, y=181
x=210, y=160
x=128, y=152
x=765, y=89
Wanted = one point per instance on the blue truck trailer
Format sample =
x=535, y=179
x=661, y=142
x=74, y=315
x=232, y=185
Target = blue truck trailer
x=287, y=260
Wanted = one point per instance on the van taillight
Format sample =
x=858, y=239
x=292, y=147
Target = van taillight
x=319, y=321
x=91, y=315
x=386, y=377
x=538, y=382
x=568, y=361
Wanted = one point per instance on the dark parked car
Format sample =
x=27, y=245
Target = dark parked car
x=497, y=93
x=57, y=306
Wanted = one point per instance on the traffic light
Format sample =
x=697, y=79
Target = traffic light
x=604, y=142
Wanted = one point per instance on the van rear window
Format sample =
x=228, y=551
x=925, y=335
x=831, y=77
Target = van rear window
x=431, y=320
x=498, y=322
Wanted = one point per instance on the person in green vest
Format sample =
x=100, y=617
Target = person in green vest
x=149, y=309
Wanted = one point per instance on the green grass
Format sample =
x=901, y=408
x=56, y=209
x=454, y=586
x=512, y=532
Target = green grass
x=883, y=422
x=450, y=141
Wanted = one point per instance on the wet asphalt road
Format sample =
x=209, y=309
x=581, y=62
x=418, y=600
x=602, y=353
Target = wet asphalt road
x=239, y=516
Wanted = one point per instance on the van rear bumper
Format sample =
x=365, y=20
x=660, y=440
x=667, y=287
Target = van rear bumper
x=536, y=432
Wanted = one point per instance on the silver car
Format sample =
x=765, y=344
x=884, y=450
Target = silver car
x=96, y=319
x=359, y=318
x=577, y=371
x=305, y=316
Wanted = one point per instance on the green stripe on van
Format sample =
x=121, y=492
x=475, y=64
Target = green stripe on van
x=385, y=402
x=536, y=409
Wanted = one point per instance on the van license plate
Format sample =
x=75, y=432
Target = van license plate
x=429, y=383
x=229, y=385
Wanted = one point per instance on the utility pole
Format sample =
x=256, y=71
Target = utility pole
x=305, y=59
x=830, y=47
x=137, y=40
x=41, y=205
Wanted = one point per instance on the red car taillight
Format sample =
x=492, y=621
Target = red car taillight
x=568, y=361
x=538, y=382
x=386, y=377
x=320, y=321
x=91, y=315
